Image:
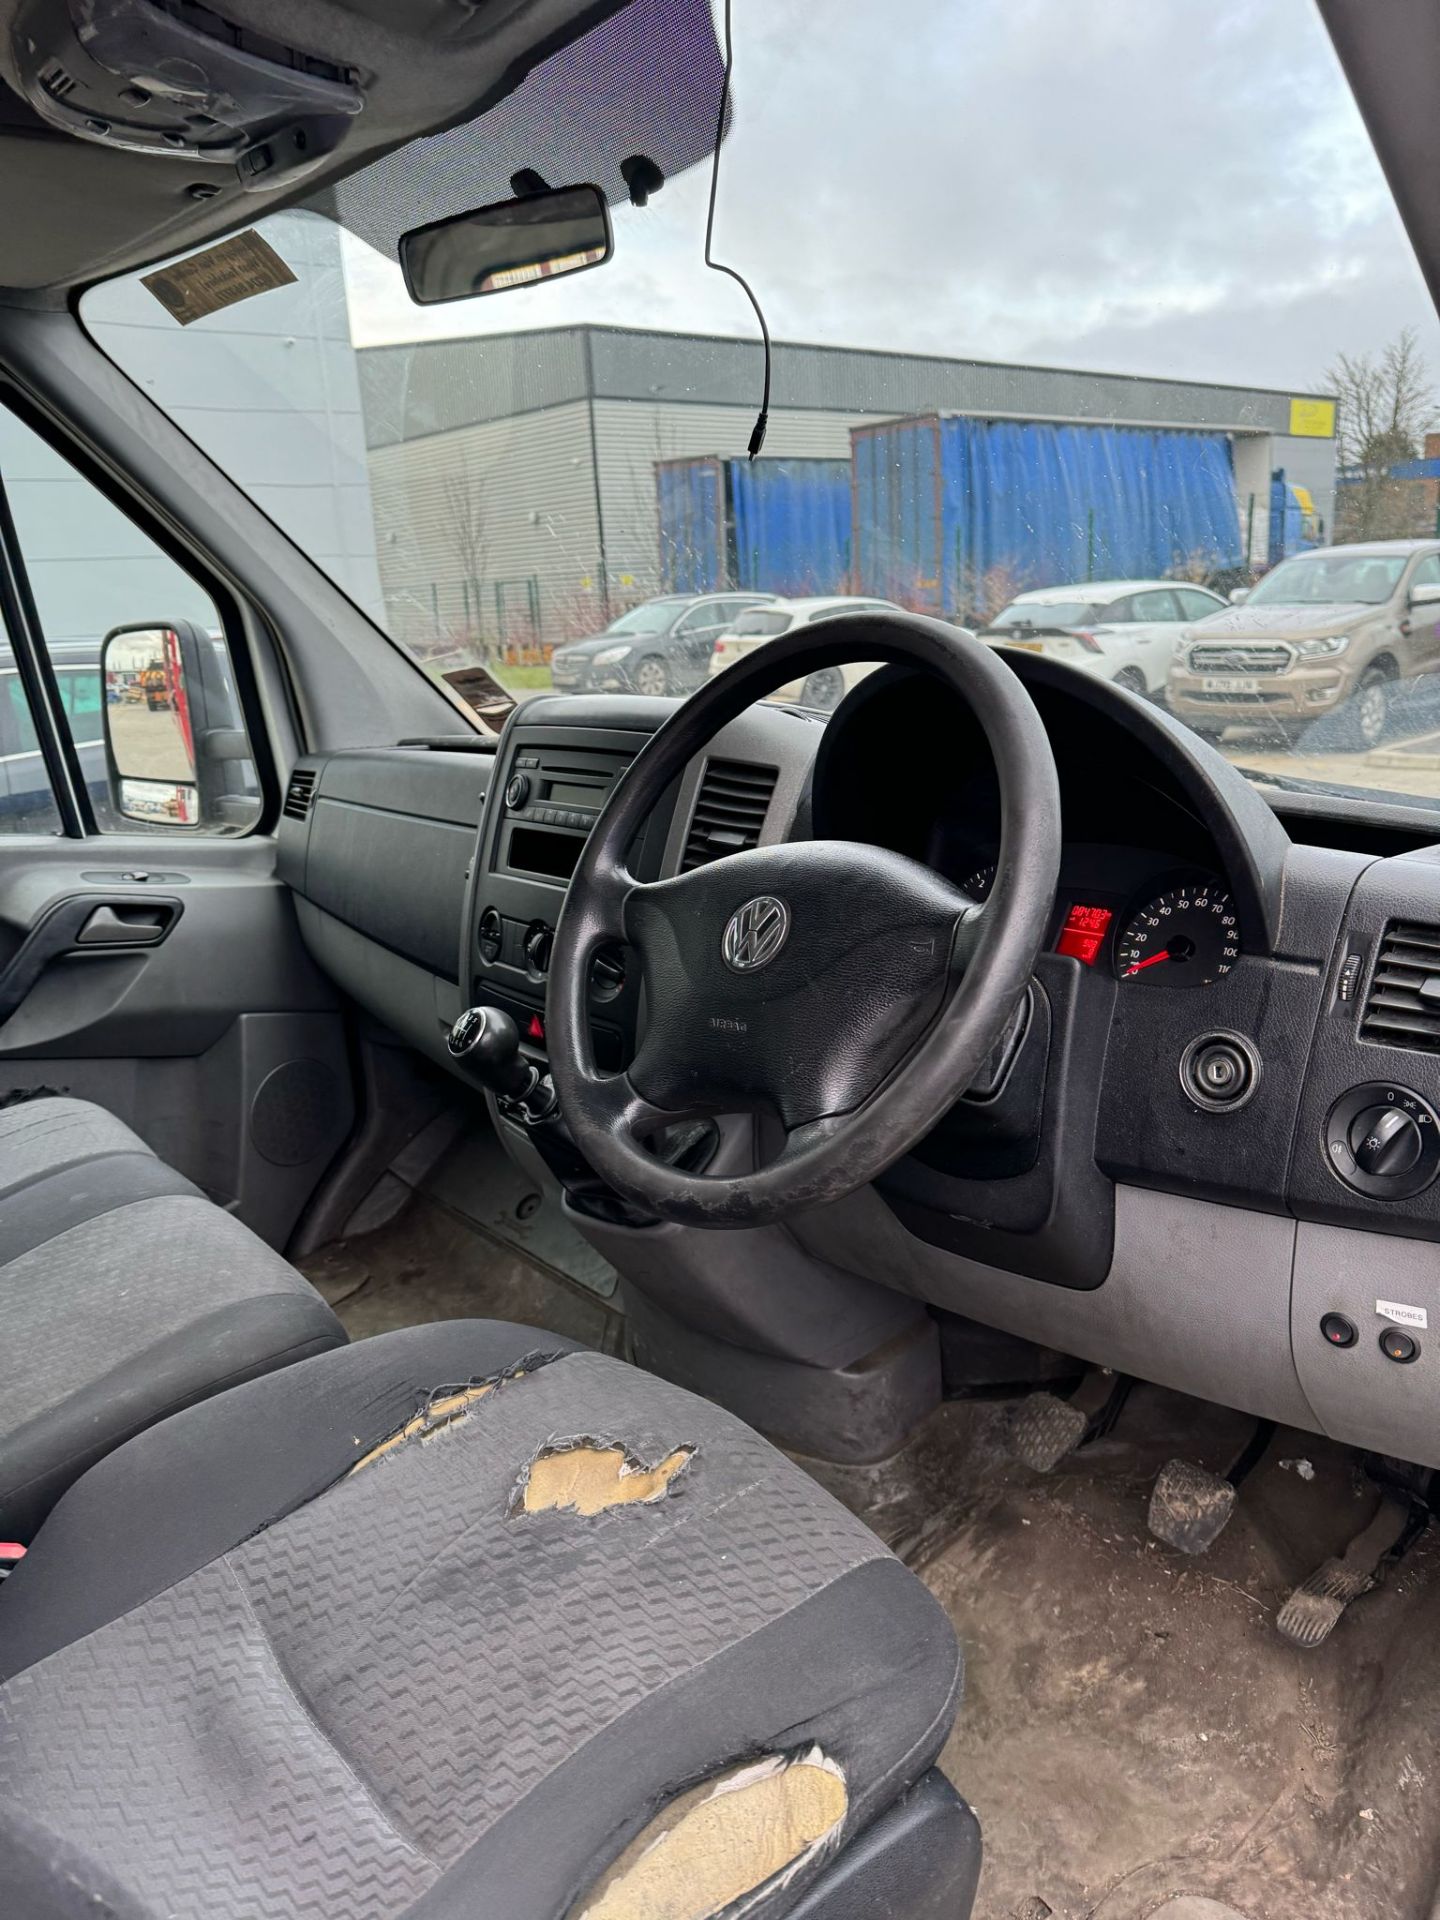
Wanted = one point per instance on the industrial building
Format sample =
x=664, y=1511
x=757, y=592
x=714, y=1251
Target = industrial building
x=515, y=476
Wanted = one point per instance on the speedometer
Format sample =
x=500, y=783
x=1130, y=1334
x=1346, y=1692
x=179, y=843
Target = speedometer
x=1184, y=937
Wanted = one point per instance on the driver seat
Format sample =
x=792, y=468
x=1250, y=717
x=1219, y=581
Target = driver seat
x=464, y=1621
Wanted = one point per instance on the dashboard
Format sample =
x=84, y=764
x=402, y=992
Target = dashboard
x=1213, y=1125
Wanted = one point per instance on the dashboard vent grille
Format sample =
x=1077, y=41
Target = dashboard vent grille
x=299, y=793
x=729, y=812
x=1403, y=1005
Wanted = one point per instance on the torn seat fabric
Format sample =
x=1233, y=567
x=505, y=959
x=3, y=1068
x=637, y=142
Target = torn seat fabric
x=125, y=1295
x=309, y=1674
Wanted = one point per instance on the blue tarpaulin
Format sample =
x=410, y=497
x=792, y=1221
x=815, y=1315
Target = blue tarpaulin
x=773, y=526
x=940, y=501
x=694, y=543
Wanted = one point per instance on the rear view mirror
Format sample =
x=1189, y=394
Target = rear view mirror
x=149, y=743
x=1238, y=596
x=1427, y=595
x=515, y=243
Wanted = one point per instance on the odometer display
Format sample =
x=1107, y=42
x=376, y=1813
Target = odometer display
x=1184, y=937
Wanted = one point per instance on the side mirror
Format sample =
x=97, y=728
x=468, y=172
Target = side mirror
x=515, y=243
x=1238, y=596
x=1426, y=596
x=170, y=728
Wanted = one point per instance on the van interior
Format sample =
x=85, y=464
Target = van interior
x=658, y=1304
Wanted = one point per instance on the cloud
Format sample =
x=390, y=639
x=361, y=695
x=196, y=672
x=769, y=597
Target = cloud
x=1177, y=190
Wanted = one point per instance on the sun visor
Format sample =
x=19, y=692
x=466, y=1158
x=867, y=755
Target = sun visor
x=645, y=81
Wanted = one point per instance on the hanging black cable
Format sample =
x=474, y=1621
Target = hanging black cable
x=762, y=419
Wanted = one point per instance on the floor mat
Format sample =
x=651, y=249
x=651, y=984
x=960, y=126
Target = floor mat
x=478, y=1180
x=432, y=1264
x=1134, y=1728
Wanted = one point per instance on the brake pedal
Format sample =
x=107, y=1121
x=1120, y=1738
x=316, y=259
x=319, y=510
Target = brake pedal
x=1313, y=1611
x=1043, y=1429
x=1190, y=1507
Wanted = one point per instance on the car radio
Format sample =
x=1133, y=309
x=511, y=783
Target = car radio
x=552, y=798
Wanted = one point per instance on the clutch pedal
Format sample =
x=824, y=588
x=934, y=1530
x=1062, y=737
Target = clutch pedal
x=1043, y=1429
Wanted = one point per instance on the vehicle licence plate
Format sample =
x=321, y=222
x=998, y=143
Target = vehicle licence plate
x=1229, y=683
x=1025, y=646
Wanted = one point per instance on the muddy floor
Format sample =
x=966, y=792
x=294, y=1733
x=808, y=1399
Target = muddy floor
x=1134, y=1727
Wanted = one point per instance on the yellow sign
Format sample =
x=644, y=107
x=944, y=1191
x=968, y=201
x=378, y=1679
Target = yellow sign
x=1312, y=419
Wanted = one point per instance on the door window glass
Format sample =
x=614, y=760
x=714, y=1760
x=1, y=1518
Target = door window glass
x=27, y=804
x=91, y=570
x=1156, y=606
x=1195, y=605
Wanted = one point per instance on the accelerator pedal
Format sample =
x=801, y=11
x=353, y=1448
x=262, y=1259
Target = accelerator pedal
x=1043, y=1429
x=1313, y=1610
x=1190, y=1507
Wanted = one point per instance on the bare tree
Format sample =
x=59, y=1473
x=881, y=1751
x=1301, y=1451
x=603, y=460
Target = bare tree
x=1384, y=408
x=986, y=591
x=464, y=527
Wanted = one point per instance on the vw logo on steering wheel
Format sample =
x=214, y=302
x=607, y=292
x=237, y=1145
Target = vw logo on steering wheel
x=755, y=933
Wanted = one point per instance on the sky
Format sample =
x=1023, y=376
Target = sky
x=1180, y=188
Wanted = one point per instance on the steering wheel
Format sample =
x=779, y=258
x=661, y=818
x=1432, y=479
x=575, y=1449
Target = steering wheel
x=845, y=990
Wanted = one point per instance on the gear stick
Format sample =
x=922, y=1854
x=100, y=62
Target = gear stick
x=487, y=1042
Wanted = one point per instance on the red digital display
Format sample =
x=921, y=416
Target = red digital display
x=1083, y=933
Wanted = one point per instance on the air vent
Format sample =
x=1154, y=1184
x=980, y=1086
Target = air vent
x=729, y=812
x=1403, y=1007
x=299, y=793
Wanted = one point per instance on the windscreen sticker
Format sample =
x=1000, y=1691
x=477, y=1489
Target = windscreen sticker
x=220, y=277
x=1403, y=1316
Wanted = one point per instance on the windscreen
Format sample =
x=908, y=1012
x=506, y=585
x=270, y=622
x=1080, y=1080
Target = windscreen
x=1049, y=311
x=1331, y=580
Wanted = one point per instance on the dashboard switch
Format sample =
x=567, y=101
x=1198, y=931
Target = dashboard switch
x=539, y=940
x=1399, y=1346
x=490, y=936
x=1385, y=1142
x=1338, y=1331
x=517, y=792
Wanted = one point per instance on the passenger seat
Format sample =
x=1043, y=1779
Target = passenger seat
x=125, y=1295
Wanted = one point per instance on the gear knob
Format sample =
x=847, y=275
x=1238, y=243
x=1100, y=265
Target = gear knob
x=487, y=1041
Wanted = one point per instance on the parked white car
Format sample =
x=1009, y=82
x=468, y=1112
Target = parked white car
x=823, y=689
x=1121, y=630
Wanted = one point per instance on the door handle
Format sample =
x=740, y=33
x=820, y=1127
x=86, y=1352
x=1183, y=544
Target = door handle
x=65, y=927
x=126, y=926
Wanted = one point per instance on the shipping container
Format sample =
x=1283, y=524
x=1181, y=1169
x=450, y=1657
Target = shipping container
x=769, y=526
x=943, y=504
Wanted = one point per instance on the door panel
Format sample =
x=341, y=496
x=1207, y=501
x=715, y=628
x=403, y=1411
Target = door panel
x=220, y=1043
